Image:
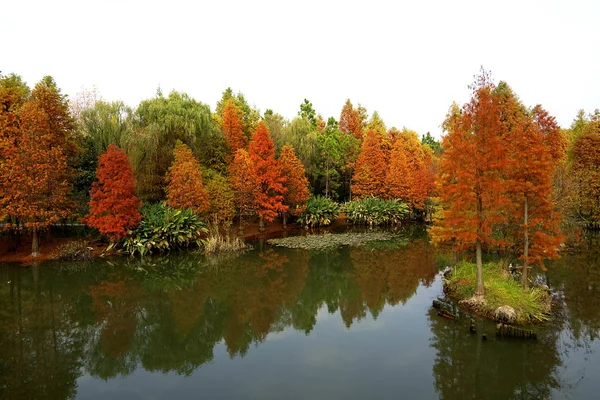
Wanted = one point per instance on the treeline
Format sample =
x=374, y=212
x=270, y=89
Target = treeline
x=237, y=163
x=97, y=161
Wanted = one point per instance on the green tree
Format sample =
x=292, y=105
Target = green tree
x=159, y=123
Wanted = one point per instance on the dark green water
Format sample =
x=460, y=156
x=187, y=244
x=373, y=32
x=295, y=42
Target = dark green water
x=278, y=323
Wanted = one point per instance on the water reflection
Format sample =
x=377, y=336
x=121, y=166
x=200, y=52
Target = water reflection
x=176, y=314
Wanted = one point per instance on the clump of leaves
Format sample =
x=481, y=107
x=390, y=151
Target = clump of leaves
x=373, y=211
x=320, y=211
x=74, y=251
x=163, y=229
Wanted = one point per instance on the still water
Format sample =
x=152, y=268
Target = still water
x=281, y=323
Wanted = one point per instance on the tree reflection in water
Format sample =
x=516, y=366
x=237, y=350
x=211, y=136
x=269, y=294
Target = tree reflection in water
x=168, y=314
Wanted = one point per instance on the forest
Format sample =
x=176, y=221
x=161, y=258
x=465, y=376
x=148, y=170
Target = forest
x=504, y=177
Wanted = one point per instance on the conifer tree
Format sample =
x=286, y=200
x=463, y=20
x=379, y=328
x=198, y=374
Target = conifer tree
x=370, y=170
x=297, y=192
x=244, y=183
x=114, y=207
x=185, y=188
x=269, y=199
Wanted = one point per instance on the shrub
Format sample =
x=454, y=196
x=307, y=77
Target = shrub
x=164, y=228
x=74, y=251
x=320, y=211
x=373, y=211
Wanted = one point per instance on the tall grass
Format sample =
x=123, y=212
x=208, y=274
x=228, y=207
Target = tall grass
x=500, y=290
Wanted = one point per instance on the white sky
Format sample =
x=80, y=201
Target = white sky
x=409, y=60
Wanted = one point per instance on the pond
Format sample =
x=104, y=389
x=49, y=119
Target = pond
x=348, y=322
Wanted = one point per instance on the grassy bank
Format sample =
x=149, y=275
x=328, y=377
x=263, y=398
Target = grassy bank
x=500, y=290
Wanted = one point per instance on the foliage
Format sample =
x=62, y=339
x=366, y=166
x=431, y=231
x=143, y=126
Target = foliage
x=269, y=197
x=36, y=176
x=371, y=167
x=76, y=250
x=221, y=199
x=163, y=229
x=435, y=145
x=218, y=242
x=243, y=182
x=159, y=123
x=232, y=128
x=583, y=167
x=249, y=115
x=320, y=211
x=501, y=290
x=373, y=211
x=308, y=113
x=472, y=168
x=351, y=121
x=296, y=184
x=185, y=188
x=114, y=205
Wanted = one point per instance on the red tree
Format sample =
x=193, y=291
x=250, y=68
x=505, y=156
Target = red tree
x=536, y=225
x=232, y=127
x=297, y=193
x=185, y=188
x=269, y=199
x=243, y=182
x=114, y=208
x=472, y=189
x=370, y=169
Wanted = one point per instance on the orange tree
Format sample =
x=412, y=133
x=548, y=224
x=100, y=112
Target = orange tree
x=269, y=198
x=114, y=207
x=535, y=225
x=297, y=193
x=370, y=169
x=36, y=184
x=232, y=127
x=185, y=188
x=243, y=182
x=471, y=185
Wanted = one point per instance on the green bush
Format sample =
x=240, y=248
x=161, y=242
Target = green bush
x=320, y=211
x=164, y=228
x=373, y=211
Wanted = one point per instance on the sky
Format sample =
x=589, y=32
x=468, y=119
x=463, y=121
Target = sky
x=408, y=60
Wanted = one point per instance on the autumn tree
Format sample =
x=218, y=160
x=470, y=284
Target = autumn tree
x=399, y=179
x=114, y=207
x=13, y=94
x=185, y=187
x=249, y=115
x=232, y=128
x=536, y=225
x=244, y=183
x=351, y=121
x=296, y=184
x=370, y=171
x=269, y=199
x=471, y=185
x=585, y=158
x=37, y=184
x=221, y=199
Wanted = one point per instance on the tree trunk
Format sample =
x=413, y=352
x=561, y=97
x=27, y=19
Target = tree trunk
x=35, y=246
x=241, y=231
x=480, y=291
x=261, y=224
x=524, y=278
x=284, y=220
